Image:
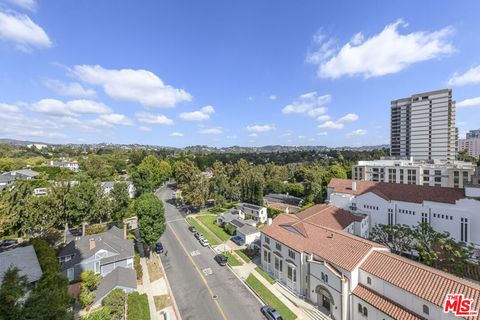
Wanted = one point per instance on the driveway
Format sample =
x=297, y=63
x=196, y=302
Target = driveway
x=203, y=290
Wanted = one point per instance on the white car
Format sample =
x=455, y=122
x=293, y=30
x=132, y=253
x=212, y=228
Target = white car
x=203, y=242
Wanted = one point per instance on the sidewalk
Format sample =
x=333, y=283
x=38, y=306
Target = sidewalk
x=159, y=287
x=302, y=309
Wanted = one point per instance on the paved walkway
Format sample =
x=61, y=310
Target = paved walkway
x=157, y=288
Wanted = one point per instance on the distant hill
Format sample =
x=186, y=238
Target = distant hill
x=200, y=148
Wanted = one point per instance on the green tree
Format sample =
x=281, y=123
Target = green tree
x=97, y=167
x=337, y=171
x=12, y=290
x=252, y=187
x=120, y=200
x=90, y=281
x=83, y=202
x=40, y=215
x=151, y=218
x=115, y=303
x=143, y=180
x=398, y=238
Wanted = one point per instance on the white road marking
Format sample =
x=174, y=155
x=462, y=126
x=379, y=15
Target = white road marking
x=195, y=253
x=175, y=220
x=207, y=271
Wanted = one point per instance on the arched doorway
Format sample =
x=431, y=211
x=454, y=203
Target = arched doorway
x=324, y=298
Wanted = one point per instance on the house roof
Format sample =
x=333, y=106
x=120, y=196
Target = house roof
x=25, y=259
x=26, y=172
x=425, y=282
x=7, y=177
x=329, y=216
x=283, y=198
x=119, y=277
x=384, y=304
x=250, y=206
x=327, y=243
x=248, y=230
x=237, y=223
x=110, y=240
x=397, y=191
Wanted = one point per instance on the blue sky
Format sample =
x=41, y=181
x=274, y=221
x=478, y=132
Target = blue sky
x=222, y=73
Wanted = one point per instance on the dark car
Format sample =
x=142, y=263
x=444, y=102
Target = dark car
x=221, y=259
x=192, y=229
x=159, y=247
x=270, y=313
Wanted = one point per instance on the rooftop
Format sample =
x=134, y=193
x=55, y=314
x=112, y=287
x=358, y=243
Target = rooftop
x=119, y=277
x=397, y=191
x=329, y=216
x=25, y=259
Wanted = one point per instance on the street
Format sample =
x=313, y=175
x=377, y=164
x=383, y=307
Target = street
x=203, y=290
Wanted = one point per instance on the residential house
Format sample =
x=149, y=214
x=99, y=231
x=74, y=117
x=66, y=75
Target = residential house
x=23, y=258
x=108, y=186
x=452, y=210
x=70, y=165
x=40, y=191
x=244, y=228
x=348, y=277
x=247, y=211
x=284, y=202
x=26, y=174
x=120, y=277
x=101, y=253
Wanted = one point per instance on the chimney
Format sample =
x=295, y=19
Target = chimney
x=92, y=243
x=354, y=186
x=269, y=221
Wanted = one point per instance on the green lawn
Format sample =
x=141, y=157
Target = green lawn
x=209, y=222
x=243, y=256
x=270, y=299
x=232, y=260
x=213, y=241
x=265, y=275
x=161, y=302
x=138, y=308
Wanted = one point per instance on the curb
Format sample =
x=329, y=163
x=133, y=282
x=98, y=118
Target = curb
x=170, y=292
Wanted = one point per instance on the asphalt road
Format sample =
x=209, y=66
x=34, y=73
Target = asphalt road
x=200, y=294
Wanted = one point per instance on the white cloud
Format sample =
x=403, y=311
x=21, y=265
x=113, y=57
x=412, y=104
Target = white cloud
x=25, y=4
x=358, y=132
x=473, y=102
x=287, y=134
x=19, y=29
x=116, y=119
x=154, y=118
x=231, y=137
x=261, y=128
x=310, y=103
x=349, y=117
x=331, y=125
x=301, y=137
x=5, y=107
x=272, y=97
x=384, y=53
x=253, y=135
x=215, y=130
x=322, y=133
x=140, y=86
x=176, y=134
x=325, y=117
x=73, y=89
x=471, y=76
x=199, y=115
x=144, y=129
x=56, y=107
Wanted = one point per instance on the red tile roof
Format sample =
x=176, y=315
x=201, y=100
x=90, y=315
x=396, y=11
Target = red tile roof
x=427, y=283
x=397, y=191
x=327, y=243
x=384, y=304
x=328, y=216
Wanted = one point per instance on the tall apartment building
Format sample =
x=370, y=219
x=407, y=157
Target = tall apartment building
x=471, y=143
x=473, y=134
x=435, y=173
x=423, y=126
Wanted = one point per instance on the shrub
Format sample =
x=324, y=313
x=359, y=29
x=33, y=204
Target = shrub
x=115, y=302
x=138, y=266
x=273, y=212
x=87, y=297
x=96, y=228
x=102, y=314
x=229, y=229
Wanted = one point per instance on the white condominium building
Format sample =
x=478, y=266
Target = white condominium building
x=436, y=173
x=347, y=277
x=454, y=210
x=423, y=126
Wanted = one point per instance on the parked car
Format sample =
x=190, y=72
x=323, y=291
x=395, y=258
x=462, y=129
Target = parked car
x=204, y=242
x=270, y=313
x=192, y=229
x=159, y=247
x=237, y=239
x=6, y=244
x=221, y=259
x=198, y=235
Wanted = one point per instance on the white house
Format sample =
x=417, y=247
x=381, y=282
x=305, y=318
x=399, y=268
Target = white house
x=446, y=209
x=348, y=278
x=70, y=165
x=108, y=186
x=248, y=211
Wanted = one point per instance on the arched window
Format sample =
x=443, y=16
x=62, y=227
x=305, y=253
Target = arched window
x=426, y=310
x=365, y=311
x=369, y=280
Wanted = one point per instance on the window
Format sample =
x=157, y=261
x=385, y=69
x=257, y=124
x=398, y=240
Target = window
x=369, y=280
x=278, y=246
x=324, y=277
x=426, y=310
x=291, y=254
x=360, y=308
x=267, y=240
x=365, y=312
x=291, y=273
